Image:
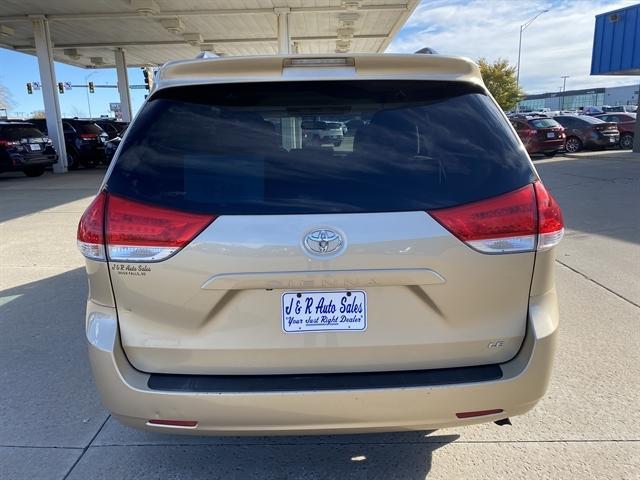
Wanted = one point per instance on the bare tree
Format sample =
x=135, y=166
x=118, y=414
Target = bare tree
x=6, y=100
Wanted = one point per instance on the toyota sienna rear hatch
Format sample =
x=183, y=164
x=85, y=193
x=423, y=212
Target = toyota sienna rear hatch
x=235, y=248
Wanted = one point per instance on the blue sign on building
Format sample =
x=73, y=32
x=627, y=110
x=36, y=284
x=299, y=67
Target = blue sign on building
x=616, y=43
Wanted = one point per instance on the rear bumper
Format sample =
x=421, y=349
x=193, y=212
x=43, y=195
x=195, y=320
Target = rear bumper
x=91, y=151
x=603, y=140
x=126, y=392
x=545, y=146
x=18, y=162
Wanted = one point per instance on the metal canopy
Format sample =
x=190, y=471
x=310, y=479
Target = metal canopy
x=86, y=33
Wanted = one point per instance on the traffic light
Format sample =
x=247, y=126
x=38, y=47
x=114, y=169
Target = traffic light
x=30, y=88
x=147, y=80
x=60, y=87
x=91, y=88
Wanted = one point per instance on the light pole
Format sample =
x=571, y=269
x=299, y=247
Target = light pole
x=86, y=82
x=523, y=27
x=564, y=89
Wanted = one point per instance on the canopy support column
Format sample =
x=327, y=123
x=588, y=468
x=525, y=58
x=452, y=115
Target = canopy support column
x=123, y=84
x=44, y=52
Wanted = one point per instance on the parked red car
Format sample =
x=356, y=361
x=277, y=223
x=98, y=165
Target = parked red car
x=539, y=134
x=626, y=125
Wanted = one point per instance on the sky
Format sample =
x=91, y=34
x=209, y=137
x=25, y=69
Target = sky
x=557, y=43
x=17, y=69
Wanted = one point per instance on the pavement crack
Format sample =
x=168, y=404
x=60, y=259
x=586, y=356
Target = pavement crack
x=84, y=450
x=621, y=297
x=40, y=446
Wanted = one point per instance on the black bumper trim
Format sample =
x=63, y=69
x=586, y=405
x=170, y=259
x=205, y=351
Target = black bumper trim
x=322, y=382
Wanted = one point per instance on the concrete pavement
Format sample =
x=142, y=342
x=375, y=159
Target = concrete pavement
x=588, y=426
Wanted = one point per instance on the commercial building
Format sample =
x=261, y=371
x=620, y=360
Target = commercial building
x=616, y=48
x=575, y=99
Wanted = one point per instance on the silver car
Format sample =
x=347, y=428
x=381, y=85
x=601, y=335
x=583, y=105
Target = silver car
x=242, y=282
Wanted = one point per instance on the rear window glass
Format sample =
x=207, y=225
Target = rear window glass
x=544, y=123
x=588, y=119
x=253, y=148
x=87, y=127
x=17, y=132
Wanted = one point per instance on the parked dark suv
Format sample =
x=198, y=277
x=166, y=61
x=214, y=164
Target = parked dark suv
x=584, y=131
x=115, y=129
x=84, y=141
x=24, y=148
x=539, y=134
x=112, y=127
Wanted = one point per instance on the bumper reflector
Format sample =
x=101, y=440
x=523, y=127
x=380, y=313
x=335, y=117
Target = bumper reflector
x=479, y=413
x=173, y=423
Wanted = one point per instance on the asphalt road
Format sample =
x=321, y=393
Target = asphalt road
x=588, y=426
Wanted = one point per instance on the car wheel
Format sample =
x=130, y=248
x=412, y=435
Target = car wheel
x=626, y=141
x=573, y=145
x=72, y=160
x=33, y=171
x=88, y=163
x=550, y=154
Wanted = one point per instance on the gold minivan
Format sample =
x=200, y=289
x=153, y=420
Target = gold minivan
x=244, y=281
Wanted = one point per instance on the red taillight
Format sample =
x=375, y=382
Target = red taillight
x=136, y=232
x=8, y=143
x=91, y=229
x=550, y=221
x=173, y=423
x=498, y=225
x=89, y=136
x=507, y=223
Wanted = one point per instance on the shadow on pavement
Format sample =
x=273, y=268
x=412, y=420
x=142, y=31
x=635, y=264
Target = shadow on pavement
x=47, y=396
x=598, y=194
x=405, y=456
x=22, y=195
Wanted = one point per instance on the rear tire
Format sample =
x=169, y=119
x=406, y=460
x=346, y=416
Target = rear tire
x=88, y=164
x=573, y=145
x=33, y=171
x=72, y=160
x=550, y=154
x=626, y=141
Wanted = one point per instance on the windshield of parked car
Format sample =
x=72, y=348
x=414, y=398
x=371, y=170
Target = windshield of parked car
x=87, y=127
x=588, y=119
x=252, y=148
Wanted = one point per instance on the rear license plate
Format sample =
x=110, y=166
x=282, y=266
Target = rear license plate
x=551, y=135
x=342, y=311
x=34, y=146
